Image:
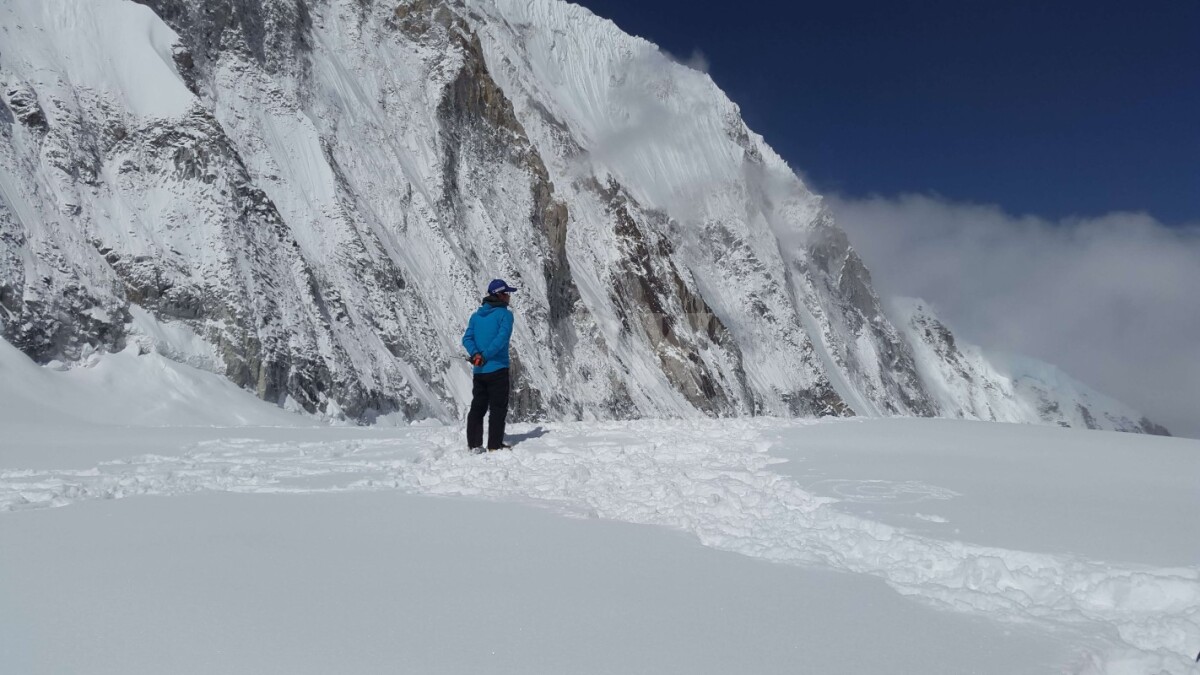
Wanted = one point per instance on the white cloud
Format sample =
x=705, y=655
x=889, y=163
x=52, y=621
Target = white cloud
x=697, y=61
x=1112, y=300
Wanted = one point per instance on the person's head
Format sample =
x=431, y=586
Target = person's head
x=500, y=289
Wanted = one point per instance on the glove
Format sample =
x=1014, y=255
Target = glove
x=478, y=360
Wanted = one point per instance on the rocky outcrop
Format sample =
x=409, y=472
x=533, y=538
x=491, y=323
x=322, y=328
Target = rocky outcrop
x=275, y=35
x=23, y=104
x=855, y=313
x=653, y=300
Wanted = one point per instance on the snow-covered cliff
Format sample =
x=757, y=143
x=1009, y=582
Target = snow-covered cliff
x=968, y=383
x=307, y=197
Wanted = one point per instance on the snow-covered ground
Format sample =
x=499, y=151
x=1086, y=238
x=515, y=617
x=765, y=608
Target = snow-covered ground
x=900, y=545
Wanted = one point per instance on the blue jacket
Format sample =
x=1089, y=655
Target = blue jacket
x=488, y=333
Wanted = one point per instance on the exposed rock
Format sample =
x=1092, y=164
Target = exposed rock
x=275, y=34
x=1152, y=428
x=852, y=305
x=23, y=103
x=676, y=323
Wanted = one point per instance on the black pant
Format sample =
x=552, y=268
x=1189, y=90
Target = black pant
x=489, y=394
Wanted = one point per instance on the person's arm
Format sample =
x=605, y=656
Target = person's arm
x=468, y=340
x=500, y=342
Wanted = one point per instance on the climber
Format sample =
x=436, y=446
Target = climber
x=486, y=341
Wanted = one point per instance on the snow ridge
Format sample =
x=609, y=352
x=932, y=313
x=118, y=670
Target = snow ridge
x=710, y=479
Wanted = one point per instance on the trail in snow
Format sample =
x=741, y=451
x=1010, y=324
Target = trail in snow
x=710, y=478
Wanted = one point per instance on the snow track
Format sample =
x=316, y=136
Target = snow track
x=709, y=478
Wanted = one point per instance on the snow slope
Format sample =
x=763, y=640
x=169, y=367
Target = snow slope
x=1003, y=548
x=127, y=389
x=61, y=42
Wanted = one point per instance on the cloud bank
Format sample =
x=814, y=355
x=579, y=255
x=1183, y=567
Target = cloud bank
x=1114, y=300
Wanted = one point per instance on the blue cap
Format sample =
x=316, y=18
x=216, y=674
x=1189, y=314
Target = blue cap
x=499, y=286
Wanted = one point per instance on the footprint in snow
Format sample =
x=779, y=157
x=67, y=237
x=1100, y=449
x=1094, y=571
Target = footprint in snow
x=881, y=491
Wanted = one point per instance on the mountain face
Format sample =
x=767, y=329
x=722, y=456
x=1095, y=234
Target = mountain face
x=308, y=196
x=968, y=383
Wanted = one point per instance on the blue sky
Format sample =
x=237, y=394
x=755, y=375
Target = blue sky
x=1050, y=108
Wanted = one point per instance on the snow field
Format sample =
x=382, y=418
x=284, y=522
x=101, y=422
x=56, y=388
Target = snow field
x=718, y=480
x=386, y=582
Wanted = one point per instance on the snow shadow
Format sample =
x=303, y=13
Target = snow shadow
x=536, y=432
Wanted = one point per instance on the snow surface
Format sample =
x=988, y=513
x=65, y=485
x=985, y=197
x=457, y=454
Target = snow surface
x=389, y=582
x=58, y=43
x=127, y=388
x=922, y=546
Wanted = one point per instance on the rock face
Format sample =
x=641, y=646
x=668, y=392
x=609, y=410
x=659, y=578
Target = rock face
x=307, y=196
